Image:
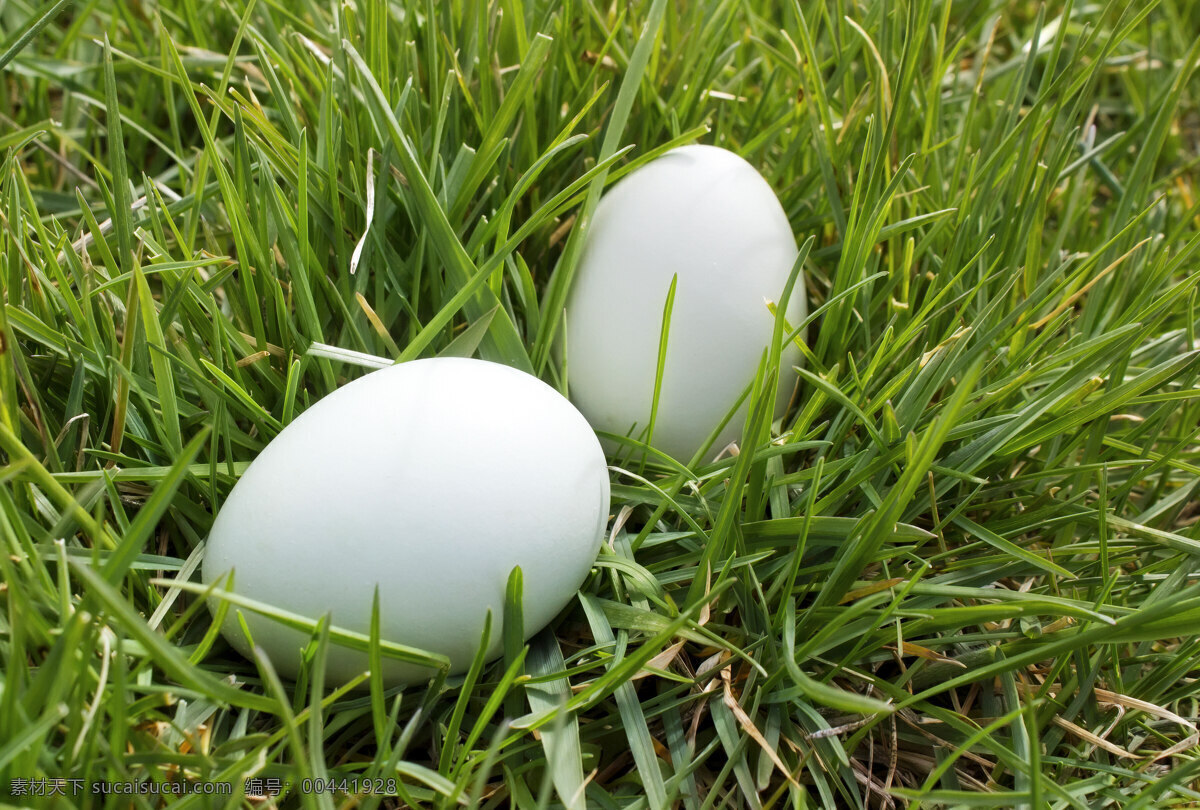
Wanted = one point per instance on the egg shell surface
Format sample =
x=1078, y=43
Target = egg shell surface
x=432, y=479
x=705, y=215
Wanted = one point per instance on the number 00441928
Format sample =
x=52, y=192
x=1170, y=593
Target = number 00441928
x=380, y=785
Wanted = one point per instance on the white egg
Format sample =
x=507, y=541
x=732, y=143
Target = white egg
x=432, y=479
x=705, y=215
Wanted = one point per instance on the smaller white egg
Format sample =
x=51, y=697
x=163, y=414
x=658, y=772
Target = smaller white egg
x=431, y=479
x=705, y=216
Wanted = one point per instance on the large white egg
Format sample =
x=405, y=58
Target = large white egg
x=705, y=215
x=432, y=479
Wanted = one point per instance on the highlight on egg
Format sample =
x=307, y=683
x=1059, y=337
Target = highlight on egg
x=705, y=217
x=432, y=480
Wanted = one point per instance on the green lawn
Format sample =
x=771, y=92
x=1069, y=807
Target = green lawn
x=962, y=572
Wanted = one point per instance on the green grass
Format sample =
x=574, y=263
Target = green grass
x=962, y=572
